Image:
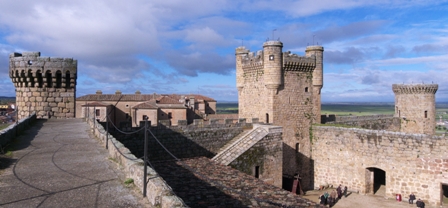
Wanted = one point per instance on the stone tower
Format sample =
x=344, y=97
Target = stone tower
x=415, y=105
x=283, y=89
x=44, y=85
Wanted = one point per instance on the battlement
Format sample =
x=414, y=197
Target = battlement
x=294, y=62
x=415, y=88
x=44, y=85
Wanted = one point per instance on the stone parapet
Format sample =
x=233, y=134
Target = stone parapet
x=159, y=194
x=415, y=88
x=10, y=132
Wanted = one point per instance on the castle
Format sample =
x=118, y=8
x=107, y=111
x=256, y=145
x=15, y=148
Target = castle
x=283, y=89
x=279, y=98
x=44, y=85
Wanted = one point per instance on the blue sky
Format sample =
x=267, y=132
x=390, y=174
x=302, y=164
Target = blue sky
x=178, y=46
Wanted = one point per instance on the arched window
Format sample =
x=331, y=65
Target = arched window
x=30, y=75
x=49, y=81
x=58, y=79
x=67, y=79
x=40, y=80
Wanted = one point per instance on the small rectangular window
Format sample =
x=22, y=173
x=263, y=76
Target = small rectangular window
x=297, y=147
x=257, y=171
x=97, y=112
x=426, y=114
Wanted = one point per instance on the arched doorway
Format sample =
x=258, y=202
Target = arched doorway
x=375, y=181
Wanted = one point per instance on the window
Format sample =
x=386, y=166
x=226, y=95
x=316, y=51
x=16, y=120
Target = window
x=426, y=114
x=297, y=147
x=97, y=112
x=271, y=57
x=257, y=171
x=170, y=115
x=127, y=106
x=127, y=115
x=306, y=89
x=144, y=117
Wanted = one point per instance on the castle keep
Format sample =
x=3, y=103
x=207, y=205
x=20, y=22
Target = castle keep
x=44, y=85
x=283, y=89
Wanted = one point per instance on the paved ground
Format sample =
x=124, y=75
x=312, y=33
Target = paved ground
x=359, y=201
x=57, y=164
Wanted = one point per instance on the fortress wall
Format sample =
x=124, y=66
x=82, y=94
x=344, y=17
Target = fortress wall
x=158, y=193
x=382, y=122
x=413, y=162
x=293, y=111
x=267, y=155
x=183, y=143
x=10, y=132
x=253, y=97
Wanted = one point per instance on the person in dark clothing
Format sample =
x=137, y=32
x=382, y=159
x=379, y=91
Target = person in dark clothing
x=339, y=190
x=345, y=191
x=411, y=198
x=322, y=199
x=420, y=204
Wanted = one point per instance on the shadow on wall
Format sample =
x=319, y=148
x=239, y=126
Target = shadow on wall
x=194, y=191
x=305, y=170
x=21, y=141
x=185, y=144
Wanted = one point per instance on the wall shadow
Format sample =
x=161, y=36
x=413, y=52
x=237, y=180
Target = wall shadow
x=305, y=171
x=195, y=192
x=21, y=141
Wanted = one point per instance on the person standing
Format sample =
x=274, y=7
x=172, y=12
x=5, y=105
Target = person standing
x=333, y=197
x=411, y=198
x=345, y=191
x=339, y=191
x=322, y=199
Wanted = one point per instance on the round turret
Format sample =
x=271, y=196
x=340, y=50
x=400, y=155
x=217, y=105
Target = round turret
x=44, y=85
x=273, y=60
x=318, y=78
x=415, y=105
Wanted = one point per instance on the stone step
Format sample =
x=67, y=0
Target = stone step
x=240, y=145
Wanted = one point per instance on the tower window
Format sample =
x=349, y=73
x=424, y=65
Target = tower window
x=257, y=171
x=97, y=112
x=271, y=57
x=297, y=147
x=306, y=89
x=426, y=114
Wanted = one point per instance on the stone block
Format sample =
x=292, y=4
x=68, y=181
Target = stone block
x=39, y=99
x=50, y=99
x=61, y=105
x=36, y=94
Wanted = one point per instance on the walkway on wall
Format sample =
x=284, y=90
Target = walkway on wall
x=241, y=145
x=57, y=164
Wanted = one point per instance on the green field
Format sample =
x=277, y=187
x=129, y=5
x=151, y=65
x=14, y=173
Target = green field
x=346, y=109
x=357, y=109
x=226, y=108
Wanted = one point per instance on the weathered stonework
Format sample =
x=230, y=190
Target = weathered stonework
x=283, y=89
x=415, y=163
x=44, y=85
x=415, y=104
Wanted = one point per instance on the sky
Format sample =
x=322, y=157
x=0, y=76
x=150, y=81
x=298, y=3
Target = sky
x=183, y=47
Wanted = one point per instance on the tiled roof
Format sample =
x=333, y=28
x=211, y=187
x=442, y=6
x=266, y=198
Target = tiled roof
x=115, y=97
x=146, y=105
x=96, y=104
x=167, y=100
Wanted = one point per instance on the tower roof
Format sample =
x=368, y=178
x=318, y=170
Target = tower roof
x=415, y=88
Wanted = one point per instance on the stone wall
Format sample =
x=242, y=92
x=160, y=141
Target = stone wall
x=190, y=141
x=159, y=194
x=375, y=122
x=263, y=160
x=415, y=163
x=10, y=132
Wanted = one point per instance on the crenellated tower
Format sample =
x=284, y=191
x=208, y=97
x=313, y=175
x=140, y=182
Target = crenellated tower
x=318, y=77
x=44, y=85
x=415, y=105
x=283, y=89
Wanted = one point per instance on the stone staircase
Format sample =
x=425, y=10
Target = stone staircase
x=240, y=144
